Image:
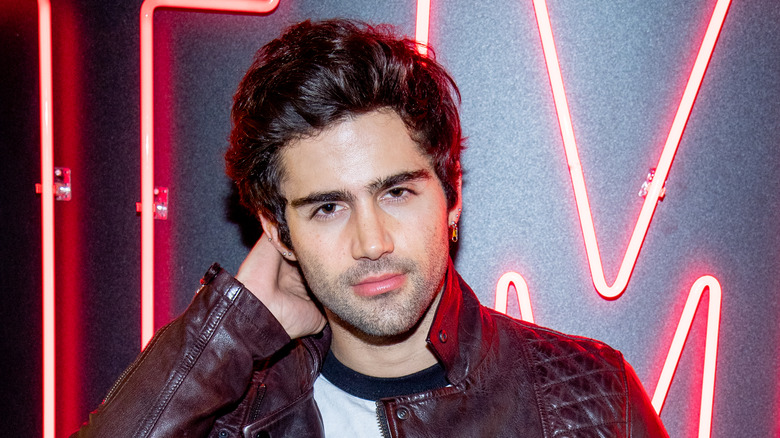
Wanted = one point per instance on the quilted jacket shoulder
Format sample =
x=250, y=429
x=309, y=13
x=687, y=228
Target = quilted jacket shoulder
x=580, y=383
x=583, y=387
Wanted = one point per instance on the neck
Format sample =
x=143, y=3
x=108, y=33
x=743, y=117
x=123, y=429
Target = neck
x=395, y=356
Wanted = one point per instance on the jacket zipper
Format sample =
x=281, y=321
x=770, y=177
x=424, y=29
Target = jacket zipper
x=254, y=413
x=381, y=419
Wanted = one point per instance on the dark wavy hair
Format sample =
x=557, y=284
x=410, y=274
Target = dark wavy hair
x=317, y=74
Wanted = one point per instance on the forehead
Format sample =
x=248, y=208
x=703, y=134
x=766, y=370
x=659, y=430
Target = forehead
x=351, y=154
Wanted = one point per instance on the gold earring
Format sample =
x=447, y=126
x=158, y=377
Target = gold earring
x=453, y=231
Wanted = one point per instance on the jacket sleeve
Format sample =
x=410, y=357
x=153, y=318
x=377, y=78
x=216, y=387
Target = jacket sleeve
x=194, y=368
x=645, y=422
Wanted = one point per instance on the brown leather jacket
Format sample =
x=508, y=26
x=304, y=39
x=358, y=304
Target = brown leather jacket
x=226, y=368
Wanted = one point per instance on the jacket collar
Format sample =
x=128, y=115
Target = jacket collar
x=461, y=332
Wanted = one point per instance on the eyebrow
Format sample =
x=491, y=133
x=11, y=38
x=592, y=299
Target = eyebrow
x=322, y=197
x=399, y=178
x=378, y=185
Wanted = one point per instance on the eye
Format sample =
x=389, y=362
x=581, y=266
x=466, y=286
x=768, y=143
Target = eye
x=327, y=210
x=398, y=194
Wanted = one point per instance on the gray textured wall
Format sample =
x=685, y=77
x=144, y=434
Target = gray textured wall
x=624, y=65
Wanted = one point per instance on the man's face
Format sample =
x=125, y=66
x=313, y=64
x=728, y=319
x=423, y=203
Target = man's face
x=368, y=222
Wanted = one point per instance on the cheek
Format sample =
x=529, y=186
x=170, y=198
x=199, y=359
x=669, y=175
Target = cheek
x=427, y=230
x=303, y=234
x=317, y=246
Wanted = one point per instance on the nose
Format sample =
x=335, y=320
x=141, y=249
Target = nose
x=372, y=238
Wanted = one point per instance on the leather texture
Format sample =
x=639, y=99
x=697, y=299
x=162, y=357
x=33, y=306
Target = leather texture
x=226, y=368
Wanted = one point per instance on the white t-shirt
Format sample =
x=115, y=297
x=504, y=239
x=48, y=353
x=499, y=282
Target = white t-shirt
x=343, y=414
x=348, y=400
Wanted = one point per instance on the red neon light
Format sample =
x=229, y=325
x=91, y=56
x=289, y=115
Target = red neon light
x=147, y=134
x=521, y=290
x=47, y=213
x=664, y=163
x=421, y=29
x=710, y=351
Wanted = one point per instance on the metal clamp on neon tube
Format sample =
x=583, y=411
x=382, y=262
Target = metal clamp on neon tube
x=160, y=204
x=61, y=187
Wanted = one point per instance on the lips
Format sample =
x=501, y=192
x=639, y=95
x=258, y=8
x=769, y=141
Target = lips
x=376, y=285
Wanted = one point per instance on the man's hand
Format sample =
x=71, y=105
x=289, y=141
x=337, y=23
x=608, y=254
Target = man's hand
x=278, y=284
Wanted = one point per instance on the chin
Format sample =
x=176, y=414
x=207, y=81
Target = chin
x=385, y=319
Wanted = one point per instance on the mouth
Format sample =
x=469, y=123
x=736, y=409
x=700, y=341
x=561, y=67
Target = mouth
x=379, y=284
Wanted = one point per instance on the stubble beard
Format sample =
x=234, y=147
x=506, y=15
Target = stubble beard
x=387, y=315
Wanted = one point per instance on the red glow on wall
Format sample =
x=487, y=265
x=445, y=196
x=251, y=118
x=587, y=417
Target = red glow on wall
x=521, y=291
x=662, y=168
x=147, y=133
x=710, y=350
x=47, y=215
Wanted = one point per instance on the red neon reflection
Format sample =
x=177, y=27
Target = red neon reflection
x=664, y=163
x=47, y=213
x=521, y=290
x=421, y=28
x=147, y=134
x=710, y=352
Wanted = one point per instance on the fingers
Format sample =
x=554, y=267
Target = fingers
x=278, y=284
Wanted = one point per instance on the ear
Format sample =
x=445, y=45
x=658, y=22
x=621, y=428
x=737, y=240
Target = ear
x=271, y=232
x=454, y=213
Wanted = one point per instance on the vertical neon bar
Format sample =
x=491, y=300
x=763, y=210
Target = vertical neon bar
x=147, y=175
x=147, y=134
x=423, y=23
x=47, y=214
x=710, y=350
x=664, y=163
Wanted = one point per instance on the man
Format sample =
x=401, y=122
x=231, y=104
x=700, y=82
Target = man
x=346, y=143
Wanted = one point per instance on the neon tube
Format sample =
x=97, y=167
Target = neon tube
x=47, y=215
x=710, y=350
x=147, y=134
x=421, y=28
x=521, y=289
x=664, y=163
